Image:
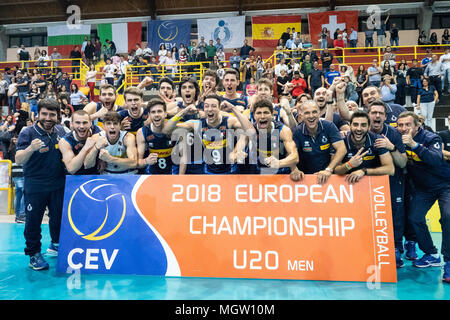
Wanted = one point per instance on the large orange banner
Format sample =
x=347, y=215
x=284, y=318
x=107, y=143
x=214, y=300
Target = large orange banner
x=234, y=226
x=269, y=227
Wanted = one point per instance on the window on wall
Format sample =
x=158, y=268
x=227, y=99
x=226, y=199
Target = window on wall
x=440, y=22
x=28, y=40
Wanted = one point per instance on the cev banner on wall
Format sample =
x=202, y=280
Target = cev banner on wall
x=230, y=31
x=246, y=226
x=171, y=33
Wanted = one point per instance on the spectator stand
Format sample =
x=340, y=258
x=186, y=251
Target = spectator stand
x=6, y=185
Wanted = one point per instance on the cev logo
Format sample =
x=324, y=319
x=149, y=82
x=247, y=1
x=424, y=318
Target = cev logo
x=88, y=196
x=167, y=31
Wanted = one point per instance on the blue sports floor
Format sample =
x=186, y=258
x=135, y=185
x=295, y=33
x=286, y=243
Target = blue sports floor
x=19, y=282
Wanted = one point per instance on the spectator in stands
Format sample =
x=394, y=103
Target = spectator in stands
x=323, y=38
x=111, y=47
x=84, y=44
x=3, y=91
x=339, y=48
x=280, y=54
x=17, y=177
x=433, y=72
x=268, y=69
x=330, y=75
x=400, y=79
x=361, y=81
x=105, y=53
x=63, y=81
x=98, y=49
x=315, y=78
x=426, y=100
x=445, y=62
x=306, y=67
x=251, y=88
x=147, y=52
x=350, y=90
x=445, y=135
x=246, y=50
x=299, y=85
x=347, y=70
x=422, y=38
x=312, y=54
x=386, y=69
x=353, y=38
x=91, y=77
x=285, y=36
x=433, y=38
x=55, y=56
x=23, y=84
x=191, y=51
x=23, y=55
x=247, y=71
x=201, y=46
x=327, y=59
x=162, y=52
x=374, y=73
x=445, y=37
x=75, y=54
x=297, y=47
x=220, y=55
x=170, y=64
x=369, y=38
x=33, y=98
x=389, y=54
x=345, y=37
x=259, y=68
x=388, y=89
x=109, y=71
x=211, y=51
x=182, y=50
x=394, y=39
x=282, y=79
x=76, y=96
x=381, y=32
x=336, y=33
x=138, y=49
x=174, y=51
x=13, y=94
x=414, y=77
x=294, y=33
x=37, y=53
x=425, y=61
x=281, y=66
x=219, y=45
x=89, y=51
x=43, y=59
x=290, y=42
x=235, y=60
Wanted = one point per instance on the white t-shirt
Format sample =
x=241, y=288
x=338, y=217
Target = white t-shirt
x=445, y=65
x=278, y=69
x=109, y=70
x=90, y=76
x=11, y=89
x=139, y=52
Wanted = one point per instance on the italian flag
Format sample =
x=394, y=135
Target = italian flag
x=124, y=35
x=65, y=38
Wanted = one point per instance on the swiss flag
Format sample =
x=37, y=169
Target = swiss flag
x=331, y=20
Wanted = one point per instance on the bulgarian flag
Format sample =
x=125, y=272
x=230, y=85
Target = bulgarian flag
x=124, y=35
x=65, y=38
x=267, y=30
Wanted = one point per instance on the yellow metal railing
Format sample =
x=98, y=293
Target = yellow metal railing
x=9, y=187
x=347, y=55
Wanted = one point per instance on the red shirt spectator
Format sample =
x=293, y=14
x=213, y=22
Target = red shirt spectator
x=339, y=43
x=299, y=85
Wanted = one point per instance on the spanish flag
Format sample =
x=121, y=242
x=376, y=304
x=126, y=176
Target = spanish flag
x=267, y=30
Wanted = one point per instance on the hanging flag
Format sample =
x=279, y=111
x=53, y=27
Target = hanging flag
x=124, y=35
x=267, y=30
x=331, y=20
x=65, y=38
x=171, y=33
x=230, y=31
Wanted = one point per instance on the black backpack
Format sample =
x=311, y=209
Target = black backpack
x=24, y=55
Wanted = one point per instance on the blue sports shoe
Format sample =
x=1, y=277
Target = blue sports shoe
x=410, y=247
x=446, y=276
x=427, y=261
x=37, y=262
x=398, y=259
x=52, y=250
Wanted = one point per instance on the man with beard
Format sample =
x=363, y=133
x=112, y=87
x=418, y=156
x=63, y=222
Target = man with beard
x=363, y=158
x=214, y=132
x=43, y=171
x=116, y=148
x=315, y=138
x=76, y=144
x=370, y=94
x=429, y=175
x=97, y=110
x=391, y=140
x=276, y=151
x=154, y=146
x=135, y=114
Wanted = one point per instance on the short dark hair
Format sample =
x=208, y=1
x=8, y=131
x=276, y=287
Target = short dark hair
x=213, y=74
x=49, y=104
x=166, y=80
x=377, y=103
x=360, y=114
x=263, y=103
x=156, y=101
x=107, y=86
x=112, y=116
x=406, y=114
x=231, y=71
x=214, y=96
x=190, y=80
